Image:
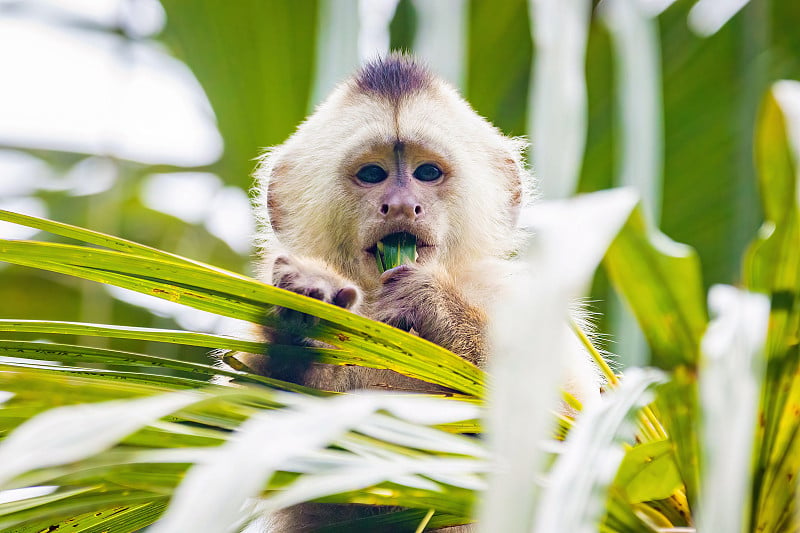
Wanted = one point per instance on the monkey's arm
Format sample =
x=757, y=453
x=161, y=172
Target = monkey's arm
x=428, y=300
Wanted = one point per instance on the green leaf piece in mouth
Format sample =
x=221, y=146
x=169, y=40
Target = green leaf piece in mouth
x=395, y=249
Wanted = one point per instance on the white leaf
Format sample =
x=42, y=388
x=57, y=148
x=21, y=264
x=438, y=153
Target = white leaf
x=429, y=411
x=572, y=236
x=532, y=345
x=420, y=437
x=708, y=16
x=635, y=40
x=213, y=493
x=787, y=94
x=558, y=94
x=730, y=378
x=575, y=493
x=71, y=433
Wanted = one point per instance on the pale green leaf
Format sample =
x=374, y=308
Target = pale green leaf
x=648, y=472
x=660, y=281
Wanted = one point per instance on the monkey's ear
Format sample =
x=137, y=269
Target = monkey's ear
x=514, y=173
x=270, y=180
x=275, y=198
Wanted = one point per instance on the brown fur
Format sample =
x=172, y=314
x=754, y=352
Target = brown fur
x=430, y=301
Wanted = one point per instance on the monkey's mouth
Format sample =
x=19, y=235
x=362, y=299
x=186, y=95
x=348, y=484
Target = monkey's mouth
x=395, y=249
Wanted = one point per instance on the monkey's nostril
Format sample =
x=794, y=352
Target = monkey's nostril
x=384, y=209
x=418, y=210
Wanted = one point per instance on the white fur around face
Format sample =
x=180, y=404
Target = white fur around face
x=318, y=210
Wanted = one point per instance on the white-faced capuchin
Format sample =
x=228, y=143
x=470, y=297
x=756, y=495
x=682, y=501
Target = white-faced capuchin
x=394, y=152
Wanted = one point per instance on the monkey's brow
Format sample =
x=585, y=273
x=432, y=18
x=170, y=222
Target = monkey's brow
x=397, y=147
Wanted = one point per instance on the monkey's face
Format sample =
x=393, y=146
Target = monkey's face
x=401, y=186
x=364, y=166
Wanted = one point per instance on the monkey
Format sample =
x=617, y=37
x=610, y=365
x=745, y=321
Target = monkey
x=393, y=149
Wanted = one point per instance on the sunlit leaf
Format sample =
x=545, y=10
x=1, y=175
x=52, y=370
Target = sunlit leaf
x=678, y=407
x=772, y=266
x=648, y=472
x=660, y=281
x=114, y=518
x=236, y=296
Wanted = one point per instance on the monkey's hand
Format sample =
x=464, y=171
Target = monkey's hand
x=289, y=327
x=313, y=279
x=427, y=300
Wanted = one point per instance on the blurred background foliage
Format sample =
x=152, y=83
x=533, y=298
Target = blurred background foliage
x=263, y=65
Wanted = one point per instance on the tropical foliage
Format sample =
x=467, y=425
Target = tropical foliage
x=726, y=392
x=119, y=437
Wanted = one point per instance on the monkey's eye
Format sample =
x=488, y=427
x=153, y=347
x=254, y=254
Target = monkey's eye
x=428, y=172
x=371, y=174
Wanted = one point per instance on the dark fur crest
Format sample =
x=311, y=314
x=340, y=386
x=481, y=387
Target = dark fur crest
x=393, y=77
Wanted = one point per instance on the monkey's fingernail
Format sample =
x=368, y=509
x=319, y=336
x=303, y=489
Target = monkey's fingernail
x=394, y=273
x=346, y=297
x=316, y=293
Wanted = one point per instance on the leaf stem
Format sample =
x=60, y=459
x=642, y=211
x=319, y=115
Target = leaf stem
x=596, y=355
x=421, y=526
x=648, y=422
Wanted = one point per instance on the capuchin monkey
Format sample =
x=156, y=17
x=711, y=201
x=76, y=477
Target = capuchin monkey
x=394, y=149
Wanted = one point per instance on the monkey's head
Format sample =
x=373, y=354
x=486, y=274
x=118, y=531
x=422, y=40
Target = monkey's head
x=393, y=149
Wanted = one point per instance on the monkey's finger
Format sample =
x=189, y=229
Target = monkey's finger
x=395, y=274
x=346, y=297
x=293, y=321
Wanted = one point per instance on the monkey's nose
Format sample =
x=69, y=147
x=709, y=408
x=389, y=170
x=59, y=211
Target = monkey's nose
x=401, y=209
